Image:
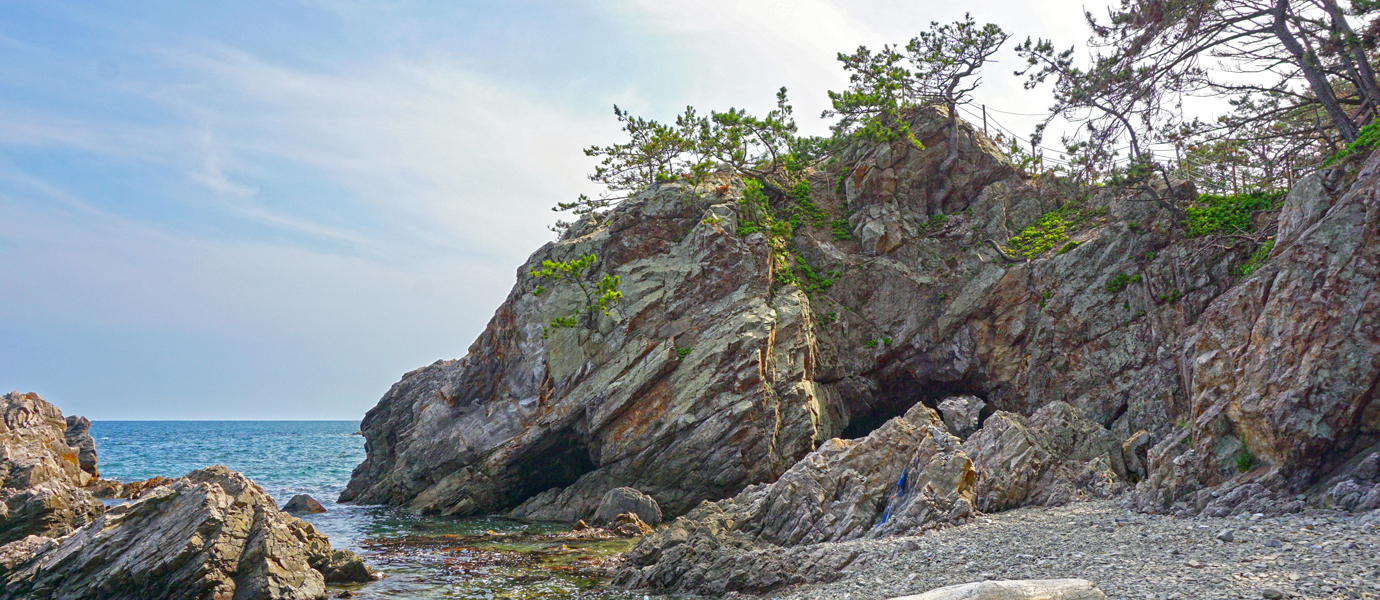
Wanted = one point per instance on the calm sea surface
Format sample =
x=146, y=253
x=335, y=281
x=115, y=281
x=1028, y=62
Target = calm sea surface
x=316, y=457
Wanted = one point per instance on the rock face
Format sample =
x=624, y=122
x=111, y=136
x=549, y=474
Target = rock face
x=1283, y=371
x=210, y=534
x=1121, y=350
x=40, y=474
x=78, y=436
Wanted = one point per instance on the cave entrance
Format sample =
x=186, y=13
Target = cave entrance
x=898, y=393
x=555, y=462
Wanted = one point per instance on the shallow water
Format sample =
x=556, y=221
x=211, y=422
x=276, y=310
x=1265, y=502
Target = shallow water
x=424, y=557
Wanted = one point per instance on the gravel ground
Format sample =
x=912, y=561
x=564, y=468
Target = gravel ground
x=1318, y=554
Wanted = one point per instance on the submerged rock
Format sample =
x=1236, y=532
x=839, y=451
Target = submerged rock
x=210, y=534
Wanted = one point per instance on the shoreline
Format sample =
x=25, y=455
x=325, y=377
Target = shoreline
x=1321, y=554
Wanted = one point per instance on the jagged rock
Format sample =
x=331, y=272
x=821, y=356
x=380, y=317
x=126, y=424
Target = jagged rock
x=51, y=509
x=619, y=501
x=40, y=474
x=1133, y=453
x=78, y=436
x=1283, y=367
x=758, y=539
x=210, y=534
x=1025, y=589
x=629, y=525
x=302, y=504
x=962, y=414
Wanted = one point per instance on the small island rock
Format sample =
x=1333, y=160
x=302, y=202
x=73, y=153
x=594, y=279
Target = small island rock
x=302, y=504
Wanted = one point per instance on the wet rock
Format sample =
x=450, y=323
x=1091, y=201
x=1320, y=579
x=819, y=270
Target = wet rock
x=1030, y=589
x=620, y=501
x=302, y=504
x=629, y=525
x=212, y=533
x=78, y=436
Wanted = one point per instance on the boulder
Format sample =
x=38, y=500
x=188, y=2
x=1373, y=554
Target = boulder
x=962, y=414
x=210, y=534
x=1133, y=453
x=624, y=500
x=302, y=504
x=1024, y=589
x=50, y=509
x=78, y=436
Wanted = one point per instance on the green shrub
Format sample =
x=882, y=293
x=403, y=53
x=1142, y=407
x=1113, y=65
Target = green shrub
x=829, y=317
x=1119, y=282
x=1258, y=258
x=1366, y=140
x=1227, y=214
x=1244, y=462
x=935, y=222
x=1171, y=297
x=840, y=229
x=681, y=353
x=1037, y=239
x=1068, y=246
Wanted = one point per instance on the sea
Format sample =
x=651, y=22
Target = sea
x=420, y=557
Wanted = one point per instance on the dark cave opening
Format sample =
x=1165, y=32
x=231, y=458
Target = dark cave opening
x=897, y=394
x=556, y=462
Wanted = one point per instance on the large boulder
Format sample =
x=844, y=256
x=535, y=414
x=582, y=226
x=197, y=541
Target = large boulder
x=624, y=500
x=210, y=534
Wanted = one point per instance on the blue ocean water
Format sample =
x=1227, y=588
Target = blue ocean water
x=316, y=457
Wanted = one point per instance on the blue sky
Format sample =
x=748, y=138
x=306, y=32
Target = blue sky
x=271, y=210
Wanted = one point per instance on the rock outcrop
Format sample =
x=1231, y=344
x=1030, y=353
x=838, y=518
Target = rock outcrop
x=1114, y=349
x=210, y=534
x=40, y=473
x=909, y=476
x=78, y=435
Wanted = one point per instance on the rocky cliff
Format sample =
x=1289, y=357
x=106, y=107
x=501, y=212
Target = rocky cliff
x=737, y=352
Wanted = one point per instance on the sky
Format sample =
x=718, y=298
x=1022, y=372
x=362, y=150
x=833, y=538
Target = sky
x=272, y=210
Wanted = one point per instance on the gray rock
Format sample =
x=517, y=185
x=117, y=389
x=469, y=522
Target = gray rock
x=1226, y=535
x=212, y=533
x=78, y=435
x=302, y=504
x=962, y=414
x=1272, y=593
x=1134, y=453
x=1030, y=589
x=624, y=500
